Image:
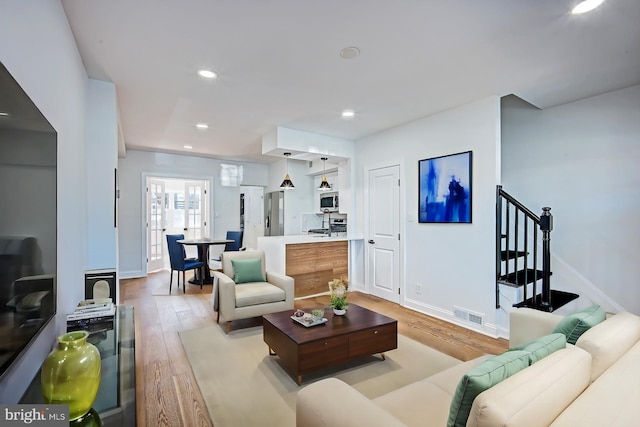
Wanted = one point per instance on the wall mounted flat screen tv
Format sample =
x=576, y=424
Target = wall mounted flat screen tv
x=28, y=221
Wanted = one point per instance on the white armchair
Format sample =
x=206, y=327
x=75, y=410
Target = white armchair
x=249, y=298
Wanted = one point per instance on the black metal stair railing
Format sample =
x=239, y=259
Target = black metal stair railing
x=519, y=234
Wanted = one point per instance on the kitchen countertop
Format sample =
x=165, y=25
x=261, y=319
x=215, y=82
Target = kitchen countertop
x=308, y=238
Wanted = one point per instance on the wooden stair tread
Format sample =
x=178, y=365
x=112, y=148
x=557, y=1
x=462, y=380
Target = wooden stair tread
x=557, y=299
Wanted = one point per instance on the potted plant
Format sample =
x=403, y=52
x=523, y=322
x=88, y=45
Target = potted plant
x=338, y=298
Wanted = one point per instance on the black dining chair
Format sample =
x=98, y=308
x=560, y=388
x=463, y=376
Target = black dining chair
x=178, y=260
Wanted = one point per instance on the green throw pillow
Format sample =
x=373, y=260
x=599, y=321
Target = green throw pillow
x=247, y=270
x=576, y=324
x=544, y=346
x=481, y=378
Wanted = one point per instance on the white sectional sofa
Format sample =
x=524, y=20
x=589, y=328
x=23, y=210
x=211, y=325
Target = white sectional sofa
x=593, y=383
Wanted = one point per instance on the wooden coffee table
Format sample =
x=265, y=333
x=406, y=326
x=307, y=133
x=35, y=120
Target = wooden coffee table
x=359, y=333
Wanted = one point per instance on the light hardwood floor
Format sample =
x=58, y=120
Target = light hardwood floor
x=166, y=390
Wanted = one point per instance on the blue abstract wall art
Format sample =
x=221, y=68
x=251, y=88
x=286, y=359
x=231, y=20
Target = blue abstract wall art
x=445, y=189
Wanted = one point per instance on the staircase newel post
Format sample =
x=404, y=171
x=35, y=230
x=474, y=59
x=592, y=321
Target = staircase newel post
x=546, y=225
x=498, y=242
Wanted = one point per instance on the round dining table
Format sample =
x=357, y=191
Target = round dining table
x=202, y=274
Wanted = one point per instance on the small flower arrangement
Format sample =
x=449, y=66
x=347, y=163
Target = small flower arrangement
x=338, y=289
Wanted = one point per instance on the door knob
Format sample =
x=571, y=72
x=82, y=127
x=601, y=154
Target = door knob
x=372, y=242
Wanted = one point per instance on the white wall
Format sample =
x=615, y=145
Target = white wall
x=39, y=50
x=298, y=200
x=581, y=159
x=455, y=263
x=102, y=159
x=132, y=170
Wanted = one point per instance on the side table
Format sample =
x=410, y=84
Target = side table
x=116, y=399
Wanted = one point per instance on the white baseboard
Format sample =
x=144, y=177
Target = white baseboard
x=448, y=316
x=132, y=274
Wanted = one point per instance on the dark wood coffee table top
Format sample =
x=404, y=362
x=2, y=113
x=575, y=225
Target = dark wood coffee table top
x=357, y=334
x=356, y=319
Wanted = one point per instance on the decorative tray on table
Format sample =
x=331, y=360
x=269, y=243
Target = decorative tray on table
x=307, y=323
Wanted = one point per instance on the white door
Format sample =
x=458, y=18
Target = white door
x=155, y=224
x=253, y=215
x=194, y=208
x=384, y=233
x=174, y=206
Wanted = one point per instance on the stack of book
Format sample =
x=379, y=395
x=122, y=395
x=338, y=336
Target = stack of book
x=92, y=315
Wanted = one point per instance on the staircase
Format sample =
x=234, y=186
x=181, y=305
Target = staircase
x=523, y=254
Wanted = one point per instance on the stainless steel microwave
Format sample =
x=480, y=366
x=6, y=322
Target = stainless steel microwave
x=329, y=202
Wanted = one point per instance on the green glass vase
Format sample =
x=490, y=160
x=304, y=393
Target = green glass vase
x=70, y=374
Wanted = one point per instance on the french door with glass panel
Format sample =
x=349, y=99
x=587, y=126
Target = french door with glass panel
x=194, y=209
x=174, y=206
x=156, y=203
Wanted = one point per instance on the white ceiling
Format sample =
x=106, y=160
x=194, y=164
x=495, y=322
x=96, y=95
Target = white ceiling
x=278, y=62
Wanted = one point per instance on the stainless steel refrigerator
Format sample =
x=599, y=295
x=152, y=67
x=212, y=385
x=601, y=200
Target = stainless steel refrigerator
x=274, y=213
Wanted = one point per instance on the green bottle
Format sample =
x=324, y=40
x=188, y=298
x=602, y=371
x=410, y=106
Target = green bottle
x=70, y=374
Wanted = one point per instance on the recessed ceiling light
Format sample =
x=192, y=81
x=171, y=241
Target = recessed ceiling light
x=202, y=126
x=586, y=6
x=188, y=147
x=207, y=74
x=347, y=114
x=349, y=52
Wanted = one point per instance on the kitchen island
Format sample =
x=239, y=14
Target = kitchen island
x=312, y=260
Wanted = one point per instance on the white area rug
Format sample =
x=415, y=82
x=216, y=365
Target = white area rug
x=243, y=386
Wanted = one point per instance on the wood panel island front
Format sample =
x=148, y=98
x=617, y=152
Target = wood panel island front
x=311, y=261
x=313, y=265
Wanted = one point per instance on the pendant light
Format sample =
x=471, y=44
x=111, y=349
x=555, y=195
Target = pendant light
x=324, y=185
x=287, y=184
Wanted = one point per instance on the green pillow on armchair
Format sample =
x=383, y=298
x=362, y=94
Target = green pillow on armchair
x=247, y=270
